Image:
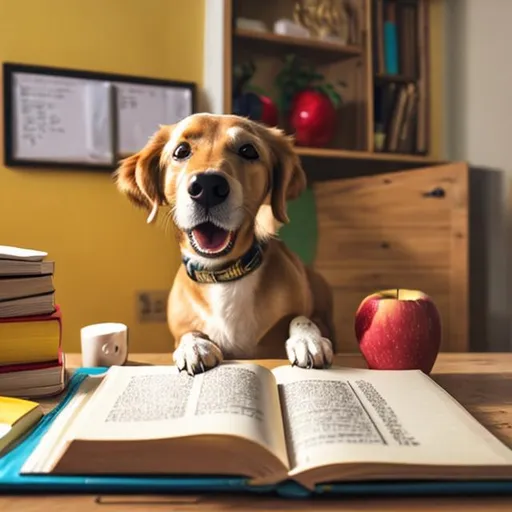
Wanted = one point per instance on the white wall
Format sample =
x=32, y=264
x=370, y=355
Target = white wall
x=478, y=120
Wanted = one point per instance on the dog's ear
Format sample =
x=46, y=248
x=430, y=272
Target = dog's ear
x=288, y=176
x=140, y=176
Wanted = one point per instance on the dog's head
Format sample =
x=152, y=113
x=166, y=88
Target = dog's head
x=226, y=179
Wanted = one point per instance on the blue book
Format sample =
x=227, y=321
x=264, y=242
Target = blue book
x=362, y=413
x=390, y=48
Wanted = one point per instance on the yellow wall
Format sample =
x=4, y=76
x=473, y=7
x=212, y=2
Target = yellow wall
x=102, y=247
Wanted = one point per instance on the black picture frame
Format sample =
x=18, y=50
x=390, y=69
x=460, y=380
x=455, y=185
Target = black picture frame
x=9, y=71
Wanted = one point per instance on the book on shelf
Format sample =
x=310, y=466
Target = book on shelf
x=33, y=380
x=395, y=38
x=391, y=49
x=17, y=417
x=31, y=339
x=396, y=107
x=379, y=67
x=311, y=426
x=408, y=48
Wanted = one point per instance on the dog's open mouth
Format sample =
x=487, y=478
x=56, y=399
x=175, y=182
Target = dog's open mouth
x=210, y=240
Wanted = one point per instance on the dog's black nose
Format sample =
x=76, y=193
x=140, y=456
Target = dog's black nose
x=208, y=189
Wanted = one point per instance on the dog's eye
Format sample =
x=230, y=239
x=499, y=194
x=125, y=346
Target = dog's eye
x=182, y=151
x=248, y=152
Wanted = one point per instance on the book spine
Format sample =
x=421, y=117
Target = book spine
x=391, y=48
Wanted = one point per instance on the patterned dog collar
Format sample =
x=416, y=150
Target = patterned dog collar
x=243, y=266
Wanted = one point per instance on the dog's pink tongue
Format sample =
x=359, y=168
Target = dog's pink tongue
x=210, y=237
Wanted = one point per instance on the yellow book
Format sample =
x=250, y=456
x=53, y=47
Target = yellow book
x=17, y=417
x=30, y=339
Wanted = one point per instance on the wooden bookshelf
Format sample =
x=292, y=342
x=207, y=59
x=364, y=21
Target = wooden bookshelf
x=316, y=46
x=362, y=64
x=365, y=155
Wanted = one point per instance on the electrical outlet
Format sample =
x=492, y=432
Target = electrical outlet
x=152, y=306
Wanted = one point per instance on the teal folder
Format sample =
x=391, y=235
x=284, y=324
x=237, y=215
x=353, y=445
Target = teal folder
x=11, y=482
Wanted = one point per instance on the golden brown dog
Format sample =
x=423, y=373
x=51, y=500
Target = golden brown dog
x=240, y=292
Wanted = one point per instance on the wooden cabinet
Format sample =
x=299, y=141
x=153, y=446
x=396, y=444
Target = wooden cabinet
x=406, y=229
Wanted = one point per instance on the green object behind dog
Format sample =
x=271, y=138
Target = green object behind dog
x=301, y=234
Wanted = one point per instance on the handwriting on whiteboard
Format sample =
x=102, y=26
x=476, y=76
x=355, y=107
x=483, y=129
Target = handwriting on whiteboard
x=143, y=108
x=41, y=101
x=54, y=121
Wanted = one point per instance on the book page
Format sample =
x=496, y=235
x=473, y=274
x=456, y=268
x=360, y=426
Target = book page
x=55, y=440
x=344, y=415
x=150, y=402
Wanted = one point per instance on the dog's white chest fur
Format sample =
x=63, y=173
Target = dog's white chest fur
x=233, y=322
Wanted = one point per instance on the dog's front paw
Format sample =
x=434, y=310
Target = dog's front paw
x=196, y=354
x=306, y=347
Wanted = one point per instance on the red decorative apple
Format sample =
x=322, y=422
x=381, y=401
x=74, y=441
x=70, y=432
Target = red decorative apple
x=398, y=330
x=307, y=102
x=312, y=118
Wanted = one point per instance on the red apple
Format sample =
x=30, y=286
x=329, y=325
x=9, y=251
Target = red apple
x=312, y=118
x=398, y=330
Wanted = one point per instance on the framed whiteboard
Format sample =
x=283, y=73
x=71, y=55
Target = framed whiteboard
x=141, y=108
x=55, y=117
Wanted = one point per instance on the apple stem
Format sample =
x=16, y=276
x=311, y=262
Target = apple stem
x=398, y=293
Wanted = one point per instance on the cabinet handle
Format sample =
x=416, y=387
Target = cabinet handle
x=437, y=192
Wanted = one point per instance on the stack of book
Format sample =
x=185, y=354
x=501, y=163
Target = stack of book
x=31, y=356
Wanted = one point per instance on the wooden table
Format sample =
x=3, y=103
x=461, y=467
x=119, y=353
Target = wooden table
x=480, y=382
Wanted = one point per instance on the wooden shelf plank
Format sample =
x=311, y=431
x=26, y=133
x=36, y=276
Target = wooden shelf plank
x=293, y=42
x=394, y=78
x=363, y=155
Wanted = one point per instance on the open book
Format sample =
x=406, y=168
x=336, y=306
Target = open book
x=312, y=426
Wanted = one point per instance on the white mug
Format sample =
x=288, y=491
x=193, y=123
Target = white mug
x=104, y=344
